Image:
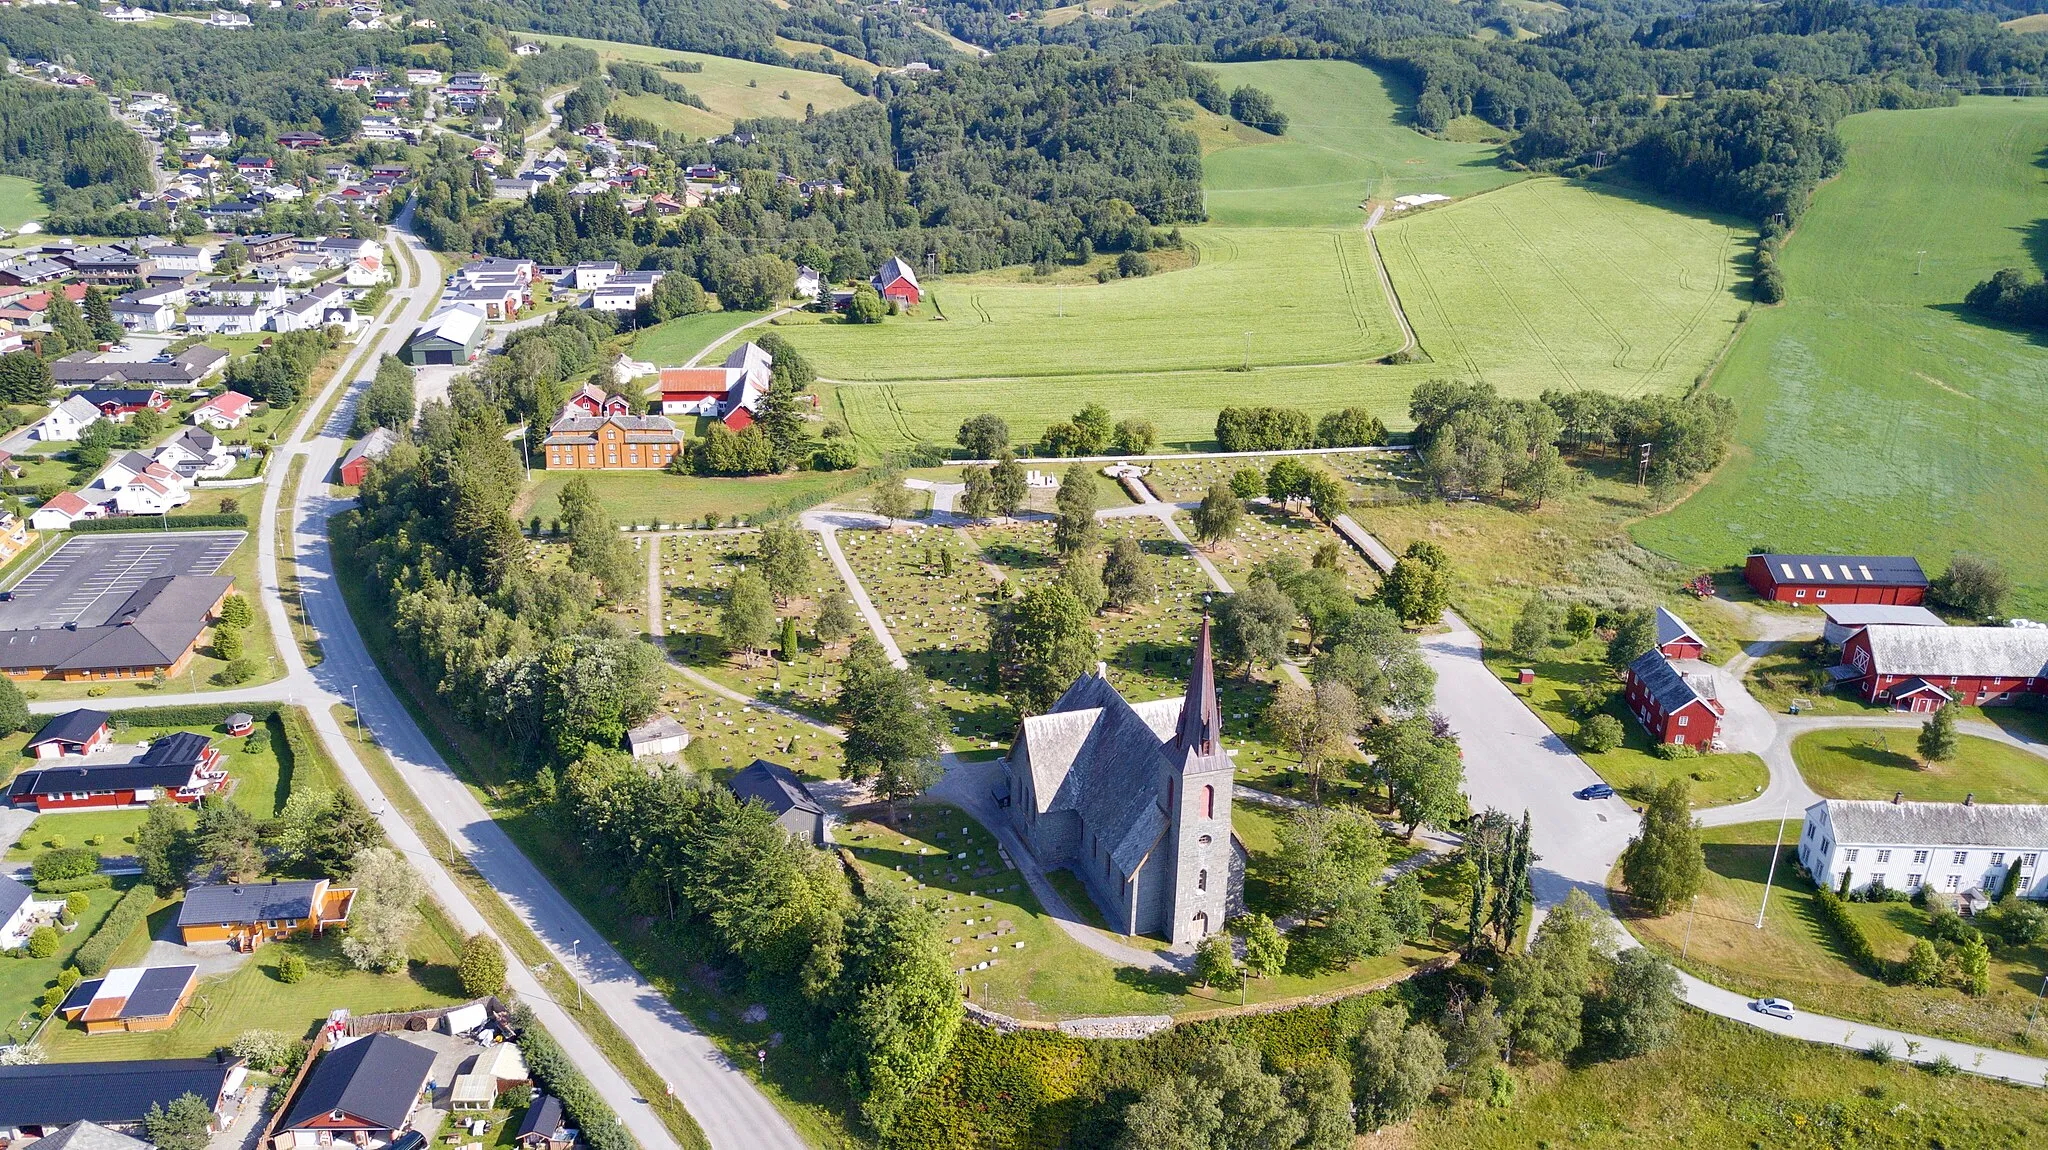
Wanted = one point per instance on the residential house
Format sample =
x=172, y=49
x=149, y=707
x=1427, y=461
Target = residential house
x=494, y=301
x=247, y=915
x=224, y=411
x=87, y=1136
x=810, y=283
x=309, y=311
x=694, y=390
x=66, y=421
x=452, y=335
x=118, y=404
x=120, y=15
x=542, y=1128
x=131, y=999
x=578, y=440
x=516, y=188
x=423, y=77
x=658, y=738
x=1917, y=668
x=156, y=628
x=195, y=453
x=1676, y=640
x=298, y=141
x=228, y=319
x=586, y=276
x=386, y=128
x=267, y=245
x=494, y=268
x=147, y=310
x=362, y=1091
x=1967, y=850
x=267, y=294
x=1672, y=706
x=355, y=466
x=182, y=371
x=898, y=281
x=256, y=169
x=41, y=1097
x=182, y=258
x=63, y=509
x=617, y=298
x=14, y=533
x=224, y=215
x=21, y=912
x=366, y=272
x=183, y=767
x=201, y=137
x=777, y=789
x=222, y=18
x=72, y=734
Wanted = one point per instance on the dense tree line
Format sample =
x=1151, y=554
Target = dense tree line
x=70, y=144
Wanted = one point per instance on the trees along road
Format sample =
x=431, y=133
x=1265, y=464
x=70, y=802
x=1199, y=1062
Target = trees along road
x=725, y=1102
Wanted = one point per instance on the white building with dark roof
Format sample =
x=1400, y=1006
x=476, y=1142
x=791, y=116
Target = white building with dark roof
x=1960, y=849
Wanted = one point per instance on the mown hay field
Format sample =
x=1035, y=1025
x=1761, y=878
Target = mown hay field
x=731, y=89
x=1876, y=414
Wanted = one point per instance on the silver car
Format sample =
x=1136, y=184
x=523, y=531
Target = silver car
x=1775, y=1007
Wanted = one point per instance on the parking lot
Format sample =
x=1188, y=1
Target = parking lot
x=91, y=575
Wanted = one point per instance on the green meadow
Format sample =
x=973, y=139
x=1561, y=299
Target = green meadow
x=21, y=200
x=731, y=89
x=1876, y=415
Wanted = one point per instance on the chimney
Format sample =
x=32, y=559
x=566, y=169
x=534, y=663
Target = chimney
x=1970, y=800
x=1898, y=797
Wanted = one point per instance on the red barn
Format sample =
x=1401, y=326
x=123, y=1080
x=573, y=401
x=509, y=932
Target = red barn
x=897, y=281
x=72, y=734
x=355, y=466
x=182, y=767
x=1895, y=579
x=1669, y=705
x=1675, y=640
x=1920, y=668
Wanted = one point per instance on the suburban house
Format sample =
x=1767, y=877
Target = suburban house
x=659, y=737
x=1675, y=640
x=224, y=411
x=182, y=767
x=585, y=276
x=195, y=453
x=72, y=734
x=897, y=281
x=21, y=912
x=542, y=1128
x=268, y=294
x=1845, y=619
x=227, y=319
x=184, y=370
x=452, y=335
x=578, y=440
x=495, y=300
x=784, y=795
x=810, y=284
x=131, y=999
x=1135, y=799
x=118, y=403
x=135, y=484
x=1920, y=668
x=147, y=310
x=84, y=1135
x=155, y=629
x=355, y=466
x=1837, y=578
x=61, y=510
x=1672, y=706
x=363, y=1091
x=66, y=421
x=247, y=915
x=309, y=311
x=1965, y=850
x=42, y=1097
x=182, y=258
x=619, y=296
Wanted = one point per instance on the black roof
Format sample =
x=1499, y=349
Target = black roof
x=167, y=764
x=57, y=1093
x=121, y=396
x=158, y=991
x=1846, y=570
x=151, y=628
x=1662, y=680
x=544, y=1117
x=70, y=727
x=248, y=902
x=377, y=1079
x=773, y=786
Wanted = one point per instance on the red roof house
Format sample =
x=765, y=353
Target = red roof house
x=223, y=411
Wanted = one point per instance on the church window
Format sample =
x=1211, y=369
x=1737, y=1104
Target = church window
x=1208, y=802
x=1202, y=880
x=1106, y=871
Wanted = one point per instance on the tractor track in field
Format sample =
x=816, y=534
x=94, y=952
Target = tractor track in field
x=1571, y=286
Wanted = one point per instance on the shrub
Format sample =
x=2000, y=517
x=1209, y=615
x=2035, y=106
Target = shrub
x=1943, y=1067
x=267, y=1049
x=162, y=522
x=65, y=863
x=128, y=913
x=77, y=903
x=1923, y=964
x=553, y=1071
x=482, y=965
x=1880, y=1052
x=42, y=942
x=1599, y=733
x=291, y=967
x=69, y=885
x=1855, y=943
x=1675, y=751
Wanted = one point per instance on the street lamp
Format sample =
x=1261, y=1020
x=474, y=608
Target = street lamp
x=573, y=953
x=354, y=704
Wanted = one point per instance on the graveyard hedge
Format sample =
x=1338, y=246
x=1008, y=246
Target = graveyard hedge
x=193, y=522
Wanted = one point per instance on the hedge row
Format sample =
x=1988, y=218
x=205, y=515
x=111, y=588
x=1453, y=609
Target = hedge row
x=192, y=522
x=1855, y=943
x=68, y=885
x=194, y=714
x=128, y=913
x=552, y=1069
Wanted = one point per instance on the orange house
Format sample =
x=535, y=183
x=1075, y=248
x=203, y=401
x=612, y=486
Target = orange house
x=131, y=999
x=247, y=915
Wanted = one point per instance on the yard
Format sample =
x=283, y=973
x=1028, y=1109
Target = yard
x=671, y=344
x=1876, y=762
x=21, y=200
x=1796, y=955
x=23, y=980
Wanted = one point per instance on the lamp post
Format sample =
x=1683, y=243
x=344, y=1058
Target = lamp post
x=355, y=704
x=575, y=954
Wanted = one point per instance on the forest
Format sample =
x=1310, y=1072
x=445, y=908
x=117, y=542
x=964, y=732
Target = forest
x=85, y=159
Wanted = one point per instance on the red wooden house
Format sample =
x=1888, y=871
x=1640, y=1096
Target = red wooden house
x=1675, y=640
x=1920, y=668
x=898, y=281
x=73, y=734
x=1837, y=578
x=182, y=767
x=1670, y=706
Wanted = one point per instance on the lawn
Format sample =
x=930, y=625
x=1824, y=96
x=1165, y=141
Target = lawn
x=1876, y=762
x=1796, y=955
x=1560, y=284
x=23, y=980
x=673, y=343
x=1872, y=370
x=1725, y=1084
x=732, y=89
x=21, y=200
x=648, y=498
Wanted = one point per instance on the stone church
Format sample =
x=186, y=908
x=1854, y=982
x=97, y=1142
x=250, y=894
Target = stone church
x=1135, y=799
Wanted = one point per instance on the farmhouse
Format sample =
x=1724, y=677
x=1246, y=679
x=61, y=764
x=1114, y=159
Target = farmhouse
x=364, y=1091
x=1845, y=619
x=155, y=629
x=72, y=734
x=355, y=466
x=1135, y=799
x=1672, y=706
x=451, y=335
x=1965, y=849
x=693, y=390
x=40, y=1098
x=1893, y=579
x=183, y=767
x=131, y=999
x=580, y=441
x=897, y=281
x=784, y=795
x=1675, y=640
x=247, y=915
x=1920, y=668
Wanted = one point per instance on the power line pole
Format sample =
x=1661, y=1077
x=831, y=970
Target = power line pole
x=1643, y=466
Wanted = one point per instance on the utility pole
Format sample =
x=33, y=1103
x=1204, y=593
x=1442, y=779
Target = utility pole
x=1642, y=465
x=1247, y=351
x=356, y=705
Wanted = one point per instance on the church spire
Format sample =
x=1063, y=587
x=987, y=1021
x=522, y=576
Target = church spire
x=1201, y=718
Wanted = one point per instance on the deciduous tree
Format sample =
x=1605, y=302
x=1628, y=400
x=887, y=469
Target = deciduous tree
x=984, y=436
x=1039, y=644
x=1317, y=724
x=1252, y=626
x=1127, y=573
x=1938, y=741
x=1216, y=517
x=385, y=913
x=1635, y=1011
x=1665, y=863
x=1073, y=528
x=748, y=621
x=785, y=557
x=481, y=965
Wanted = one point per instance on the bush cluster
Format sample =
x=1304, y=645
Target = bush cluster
x=554, y=1072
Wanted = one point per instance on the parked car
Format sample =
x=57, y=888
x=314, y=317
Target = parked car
x=1775, y=1007
x=1596, y=791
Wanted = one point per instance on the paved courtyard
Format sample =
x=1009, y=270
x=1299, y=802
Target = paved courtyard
x=91, y=575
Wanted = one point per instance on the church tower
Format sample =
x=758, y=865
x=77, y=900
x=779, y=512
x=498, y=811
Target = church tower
x=1197, y=790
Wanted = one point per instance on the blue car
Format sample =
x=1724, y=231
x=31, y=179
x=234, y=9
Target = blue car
x=1596, y=791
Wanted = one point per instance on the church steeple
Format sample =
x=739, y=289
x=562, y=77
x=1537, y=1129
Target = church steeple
x=1201, y=718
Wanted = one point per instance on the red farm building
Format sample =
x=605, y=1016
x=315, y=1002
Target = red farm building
x=1895, y=579
x=1675, y=640
x=1671, y=707
x=898, y=281
x=1920, y=668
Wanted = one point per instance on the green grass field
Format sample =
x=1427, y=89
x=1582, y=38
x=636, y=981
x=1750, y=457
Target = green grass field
x=21, y=200
x=731, y=89
x=1875, y=414
x=1876, y=762
x=671, y=344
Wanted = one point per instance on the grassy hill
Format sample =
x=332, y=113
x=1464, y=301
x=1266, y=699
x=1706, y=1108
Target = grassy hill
x=20, y=201
x=1875, y=414
x=731, y=89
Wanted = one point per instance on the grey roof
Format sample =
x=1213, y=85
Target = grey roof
x=377, y=1079
x=374, y=445
x=248, y=902
x=1670, y=689
x=657, y=728
x=54, y=1093
x=1847, y=570
x=77, y=409
x=542, y=1119
x=12, y=895
x=773, y=786
x=2022, y=826
x=2000, y=652
x=1099, y=755
x=152, y=628
x=70, y=727
x=1670, y=627
x=82, y=1135
x=1864, y=614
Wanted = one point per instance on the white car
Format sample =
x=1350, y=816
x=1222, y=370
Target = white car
x=1775, y=1007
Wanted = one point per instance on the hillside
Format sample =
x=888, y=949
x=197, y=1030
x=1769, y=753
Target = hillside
x=1875, y=414
x=731, y=89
